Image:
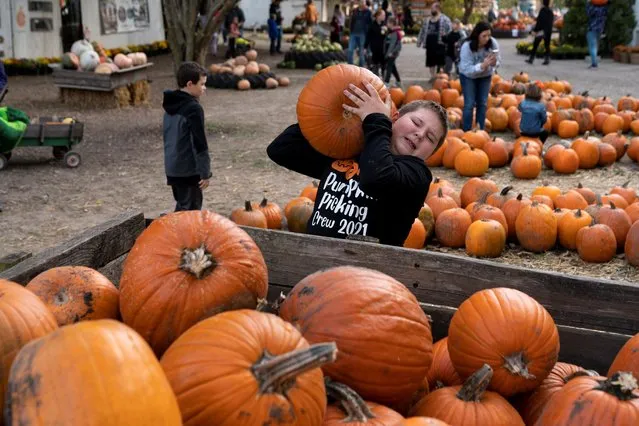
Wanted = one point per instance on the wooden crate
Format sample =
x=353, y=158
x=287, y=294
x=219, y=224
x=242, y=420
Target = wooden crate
x=595, y=317
x=72, y=79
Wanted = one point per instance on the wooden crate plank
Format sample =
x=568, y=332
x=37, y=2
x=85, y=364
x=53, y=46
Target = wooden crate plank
x=447, y=280
x=113, y=269
x=95, y=248
x=13, y=259
x=591, y=349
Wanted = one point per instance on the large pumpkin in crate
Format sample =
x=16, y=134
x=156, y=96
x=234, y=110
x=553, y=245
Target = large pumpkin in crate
x=382, y=334
x=185, y=267
x=91, y=373
x=329, y=128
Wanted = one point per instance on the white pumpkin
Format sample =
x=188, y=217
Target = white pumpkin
x=122, y=61
x=103, y=69
x=143, y=58
x=89, y=60
x=134, y=58
x=81, y=46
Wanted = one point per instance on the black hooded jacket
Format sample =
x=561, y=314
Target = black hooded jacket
x=186, y=152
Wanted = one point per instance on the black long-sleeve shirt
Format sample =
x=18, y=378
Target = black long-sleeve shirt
x=377, y=194
x=545, y=19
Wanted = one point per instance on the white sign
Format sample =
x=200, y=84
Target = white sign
x=121, y=16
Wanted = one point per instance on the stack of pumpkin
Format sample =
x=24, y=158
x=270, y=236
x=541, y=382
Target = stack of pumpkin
x=192, y=349
x=578, y=113
x=473, y=153
x=243, y=73
x=91, y=57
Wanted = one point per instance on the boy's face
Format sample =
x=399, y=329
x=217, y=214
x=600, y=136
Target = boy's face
x=416, y=133
x=197, y=89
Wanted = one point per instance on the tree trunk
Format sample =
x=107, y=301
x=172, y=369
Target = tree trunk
x=187, y=39
x=468, y=10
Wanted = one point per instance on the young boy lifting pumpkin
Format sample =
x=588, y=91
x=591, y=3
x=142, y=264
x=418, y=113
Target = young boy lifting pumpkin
x=380, y=191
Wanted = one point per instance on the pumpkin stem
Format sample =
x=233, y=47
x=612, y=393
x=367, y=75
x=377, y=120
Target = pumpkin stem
x=516, y=364
x=520, y=196
x=440, y=194
x=355, y=407
x=504, y=191
x=622, y=385
x=579, y=185
x=612, y=205
x=475, y=385
x=276, y=374
x=198, y=262
x=625, y=185
x=578, y=214
x=247, y=206
x=264, y=202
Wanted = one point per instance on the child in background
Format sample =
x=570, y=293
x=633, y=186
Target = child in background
x=186, y=151
x=533, y=114
x=375, y=42
x=272, y=33
x=234, y=33
x=453, y=42
x=392, y=47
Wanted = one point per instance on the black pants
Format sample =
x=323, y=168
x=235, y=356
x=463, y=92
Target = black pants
x=187, y=197
x=391, y=67
x=536, y=44
x=543, y=135
x=230, y=52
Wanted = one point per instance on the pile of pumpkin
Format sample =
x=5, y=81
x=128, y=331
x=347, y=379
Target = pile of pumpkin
x=568, y=115
x=92, y=57
x=474, y=152
x=183, y=341
x=242, y=68
x=482, y=219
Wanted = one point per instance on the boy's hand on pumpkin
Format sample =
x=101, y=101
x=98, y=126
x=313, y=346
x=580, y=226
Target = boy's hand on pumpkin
x=366, y=103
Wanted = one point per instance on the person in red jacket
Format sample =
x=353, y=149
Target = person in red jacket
x=377, y=194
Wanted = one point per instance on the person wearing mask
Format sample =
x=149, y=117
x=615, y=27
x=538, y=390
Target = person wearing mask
x=431, y=36
x=543, y=30
x=597, y=16
x=361, y=20
x=478, y=60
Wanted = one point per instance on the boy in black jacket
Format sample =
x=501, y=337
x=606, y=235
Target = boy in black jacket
x=379, y=193
x=186, y=152
x=542, y=31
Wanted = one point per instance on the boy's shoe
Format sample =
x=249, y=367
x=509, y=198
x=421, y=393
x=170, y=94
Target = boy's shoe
x=529, y=61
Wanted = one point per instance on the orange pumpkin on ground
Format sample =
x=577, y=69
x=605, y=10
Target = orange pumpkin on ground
x=566, y=162
x=596, y=243
x=569, y=225
x=469, y=403
x=511, y=209
x=536, y=228
x=618, y=220
x=272, y=212
x=440, y=203
x=329, y=128
x=631, y=247
x=588, y=194
x=522, y=358
x=485, y=238
x=76, y=293
x=310, y=191
x=274, y=370
x=451, y=227
x=417, y=236
x=497, y=152
x=571, y=200
x=526, y=166
x=298, y=211
x=630, y=194
x=476, y=188
x=587, y=149
x=390, y=368
x=471, y=162
x=188, y=266
x=79, y=364
x=454, y=147
x=248, y=216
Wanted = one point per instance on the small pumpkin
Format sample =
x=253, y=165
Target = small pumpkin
x=569, y=225
x=630, y=194
x=571, y=200
x=612, y=124
x=566, y=162
x=526, y=166
x=397, y=96
x=433, y=95
x=498, y=199
x=588, y=194
x=543, y=199
x=498, y=118
x=442, y=373
x=283, y=81
x=329, y=128
x=416, y=238
x=618, y=220
x=440, y=203
x=274, y=370
x=551, y=154
x=298, y=212
x=511, y=209
x=248, y=216
x=471, y=162
x=486, y=211
x=633, y=211
x=272, y=212
x=476, y=138
x=453, y=148
x=522, y=357
x=618, y=141
x=243, y=84
x=185, y=267
x=617, y=199
x=485, y=238
x=476, y=188
x=469, y=403
x=76, y=293
x=353, y=410
x=536, y=228
x=594, y=400
x=596, y=243
x=436, y=158
x=271, y=83
x=451, y=227
x=252, y=68
x=251, y=55
x=334, y=305
x=587, y=149
x=497, y=152
x=449, y=97
x=310, y=190
x=79, y=364
x=551, y=191
x=414, y=93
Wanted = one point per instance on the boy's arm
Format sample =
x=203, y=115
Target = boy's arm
x=195, y=118
x=292, y=151
x=381, y=173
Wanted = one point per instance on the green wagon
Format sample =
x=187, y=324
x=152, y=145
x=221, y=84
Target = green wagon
x=49, y=131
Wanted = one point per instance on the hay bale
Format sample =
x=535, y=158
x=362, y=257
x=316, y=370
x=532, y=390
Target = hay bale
x=140, y=92
x=89, y=99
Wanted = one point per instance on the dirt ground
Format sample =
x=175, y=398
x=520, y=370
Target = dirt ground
x=45, y=203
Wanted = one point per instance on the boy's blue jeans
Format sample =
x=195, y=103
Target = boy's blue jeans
x=475, y=91
x=593, y=45
x=357, y=41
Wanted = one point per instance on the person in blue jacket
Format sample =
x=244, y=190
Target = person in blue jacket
x=533, y=114
x=273, y=32
x=597, y=16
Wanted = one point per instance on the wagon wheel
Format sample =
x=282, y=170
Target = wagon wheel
x=59, y=152
x=72, y=159
x=8, y=155
x=4, y=161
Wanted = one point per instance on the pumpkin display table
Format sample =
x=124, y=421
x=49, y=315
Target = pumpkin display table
x=594, y=317
x=123, y=87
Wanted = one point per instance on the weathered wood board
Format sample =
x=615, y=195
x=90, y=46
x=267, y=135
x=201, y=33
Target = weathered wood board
x=72, y=79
